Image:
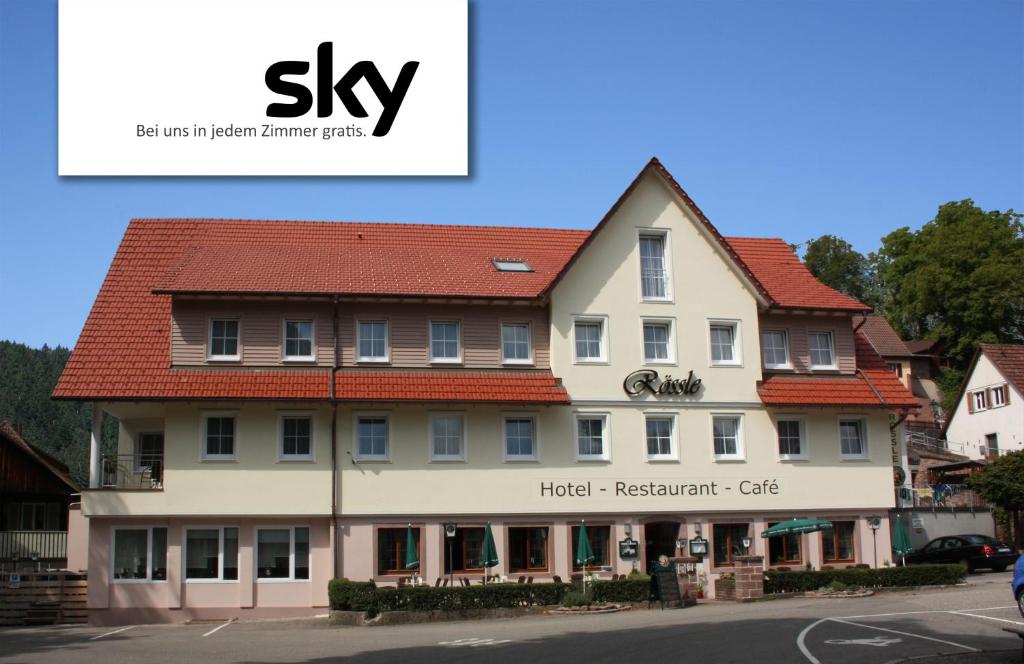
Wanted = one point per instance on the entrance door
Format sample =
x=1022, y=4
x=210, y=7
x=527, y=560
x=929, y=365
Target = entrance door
x=660, y=539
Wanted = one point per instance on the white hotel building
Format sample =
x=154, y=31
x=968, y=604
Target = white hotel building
x=293, y=395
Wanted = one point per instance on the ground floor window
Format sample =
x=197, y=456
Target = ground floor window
x=837, y=544
x=783, y=549
x=140, y=554
x=392, y=548
x=528, y=549
x=728, y=542
x=282, y=553
x=600, y=540
x=464, y=552
x=211, y=553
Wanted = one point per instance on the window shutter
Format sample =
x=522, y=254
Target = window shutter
x=1006, y=394
x=970, y=402
x=988, y=397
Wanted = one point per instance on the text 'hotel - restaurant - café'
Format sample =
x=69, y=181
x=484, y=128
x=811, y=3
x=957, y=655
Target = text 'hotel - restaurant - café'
x=293, y=397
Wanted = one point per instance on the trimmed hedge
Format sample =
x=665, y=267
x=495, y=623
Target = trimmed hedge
x=884, y=577
x=365, y=596
x=630, y=589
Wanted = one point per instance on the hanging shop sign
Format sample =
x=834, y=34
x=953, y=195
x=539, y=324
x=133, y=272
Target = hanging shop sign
x=628, y=549
x=648, y=380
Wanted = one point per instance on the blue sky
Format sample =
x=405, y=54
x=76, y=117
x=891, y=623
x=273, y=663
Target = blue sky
x=785, y=118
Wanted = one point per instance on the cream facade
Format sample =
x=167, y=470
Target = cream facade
x=660, y=338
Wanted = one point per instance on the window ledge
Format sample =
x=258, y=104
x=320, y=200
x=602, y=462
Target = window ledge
x=593, y=460
x=296, y=460
x=854, y=459
x=298, y=360
x=794, y=459
x=662, y=460
x=726, y=365
x=219, y=460
x=373, y=360
x=211, y=581
x=592, y=362
x=446, y=362
x=521, y=460
x=359, y=459
x=517, y=363
x=227, y=359
x=447, y=460
x=259, y=580
x=730, y=459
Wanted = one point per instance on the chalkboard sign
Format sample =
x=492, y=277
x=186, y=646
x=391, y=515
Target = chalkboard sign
x=628, y=549
x=664, y=586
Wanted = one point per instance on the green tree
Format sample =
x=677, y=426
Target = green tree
x=1002, y=484
x=28, y=376
x=959, y=279
x=836, y=263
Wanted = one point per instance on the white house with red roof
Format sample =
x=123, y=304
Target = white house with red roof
x=988, y=417
x=296, y=398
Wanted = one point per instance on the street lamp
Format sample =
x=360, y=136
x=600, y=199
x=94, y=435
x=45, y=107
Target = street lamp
x=746, y=546
x=449, y=534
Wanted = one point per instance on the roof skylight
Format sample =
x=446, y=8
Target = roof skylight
x=511, y=265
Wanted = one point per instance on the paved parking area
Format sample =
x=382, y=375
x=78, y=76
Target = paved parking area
x=954, y=623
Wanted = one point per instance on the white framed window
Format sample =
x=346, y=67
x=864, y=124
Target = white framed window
x=372, y=341
x=660, y=434
x=775, y=348
x=980, y=400
x=590, y=339
x=592, y=440
x=791, y=437
x=219, y=436
x=853, y=441
x=654, y=272
x=447, y=437
x=295, y=437
x=298, y=340
x=823, y=355
x=515, y=343
x=139, y=554
x=659, y=342
x=724, y=337
x=282, y=554
x=999, y=396
x=372, y=437
x=224, y=342
x=519, y=437
x=211, y=554
x=727, y=437
x=445, y=345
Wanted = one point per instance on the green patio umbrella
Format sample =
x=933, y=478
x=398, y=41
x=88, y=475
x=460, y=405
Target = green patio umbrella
x=489, y=555
x=797, y=526
x=900, y=539
x=584, y=552
x=412, y=554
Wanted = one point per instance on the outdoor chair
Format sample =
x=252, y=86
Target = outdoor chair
x=465, y=582
x=438, y=582
x=529, y=579
x=522, y=579
x=556, y=579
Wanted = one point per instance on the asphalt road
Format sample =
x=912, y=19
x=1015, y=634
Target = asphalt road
x=964, y=622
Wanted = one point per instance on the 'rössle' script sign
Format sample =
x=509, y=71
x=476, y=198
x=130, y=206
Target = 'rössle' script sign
x=647, y=380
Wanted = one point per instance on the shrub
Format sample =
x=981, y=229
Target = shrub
x=577, y=598
x=345, y=595
x=885, y=577
x=631, y=589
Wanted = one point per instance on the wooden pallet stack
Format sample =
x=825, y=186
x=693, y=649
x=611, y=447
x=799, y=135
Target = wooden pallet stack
x=43, y=598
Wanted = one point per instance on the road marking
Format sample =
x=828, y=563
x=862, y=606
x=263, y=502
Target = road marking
x=894, y=631
x=473, y=642
x=914, y=613
x=879, y=641
x=220, y=627
x=965, y=613
x=116, y=631
x=800, y=641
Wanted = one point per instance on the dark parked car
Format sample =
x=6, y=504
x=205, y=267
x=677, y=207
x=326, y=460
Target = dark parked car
x=974, y=551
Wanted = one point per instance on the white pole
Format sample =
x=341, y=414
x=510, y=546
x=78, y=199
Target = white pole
x=94, y=446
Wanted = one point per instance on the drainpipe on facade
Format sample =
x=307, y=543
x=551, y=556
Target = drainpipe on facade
x=334, y=444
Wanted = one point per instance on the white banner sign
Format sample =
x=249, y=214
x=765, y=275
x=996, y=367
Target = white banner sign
x=263, y=87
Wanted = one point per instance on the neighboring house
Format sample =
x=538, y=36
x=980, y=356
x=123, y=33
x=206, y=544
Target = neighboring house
x=298, y=401
x=988, y=417
x=35, y=493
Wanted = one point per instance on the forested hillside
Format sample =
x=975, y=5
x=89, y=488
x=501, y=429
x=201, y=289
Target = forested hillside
x=27, y=376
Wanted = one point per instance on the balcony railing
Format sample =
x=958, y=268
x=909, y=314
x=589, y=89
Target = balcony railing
x=133, y=471
x=939, y=496
x=33, y=545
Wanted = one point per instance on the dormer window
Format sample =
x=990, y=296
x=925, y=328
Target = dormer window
x=511, y=265
x=298, y=340
x=821, y=349
x=223, y=339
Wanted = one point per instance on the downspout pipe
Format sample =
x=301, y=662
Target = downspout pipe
x=334, y=443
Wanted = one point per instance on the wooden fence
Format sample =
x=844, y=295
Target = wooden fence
x=53, y=598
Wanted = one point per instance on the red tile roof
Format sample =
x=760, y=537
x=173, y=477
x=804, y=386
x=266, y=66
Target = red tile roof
x=873, y=386
x=1009, y=359
x=123, y=350
x=535, y=387
x=881, y=336
x=323, y=258
x=787, y=280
